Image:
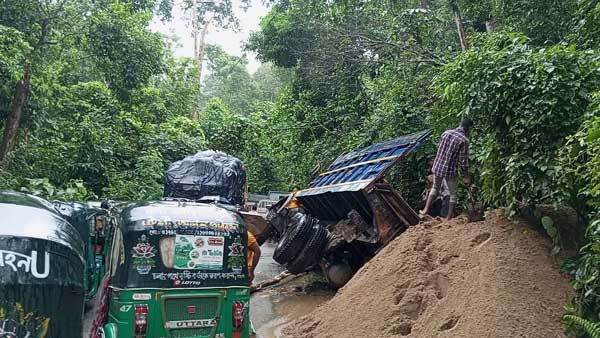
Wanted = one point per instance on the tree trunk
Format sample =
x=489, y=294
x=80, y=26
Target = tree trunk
x=425, y=4
x=14, y=116
x=199, y=49
x=202, y=49
x=13, y=121
x=462, y=35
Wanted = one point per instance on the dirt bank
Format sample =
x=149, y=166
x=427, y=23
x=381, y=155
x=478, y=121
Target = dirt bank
x=450, y=279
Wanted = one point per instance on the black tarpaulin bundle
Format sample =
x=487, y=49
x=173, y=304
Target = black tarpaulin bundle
x=206, y=174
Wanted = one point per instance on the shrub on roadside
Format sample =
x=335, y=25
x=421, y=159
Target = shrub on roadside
x=525, y=103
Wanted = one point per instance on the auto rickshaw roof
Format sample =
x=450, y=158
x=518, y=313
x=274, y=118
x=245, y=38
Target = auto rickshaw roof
x=78, y=214
x=133, y=214
x=29, y=216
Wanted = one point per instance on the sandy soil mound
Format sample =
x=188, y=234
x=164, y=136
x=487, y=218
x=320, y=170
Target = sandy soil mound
x=450, y=279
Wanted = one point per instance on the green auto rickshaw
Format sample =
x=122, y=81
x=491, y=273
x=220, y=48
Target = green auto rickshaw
x=90, y=222
x=41, y=270
x=178, y=269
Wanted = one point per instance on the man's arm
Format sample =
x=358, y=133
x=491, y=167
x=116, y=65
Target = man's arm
x=463, y=161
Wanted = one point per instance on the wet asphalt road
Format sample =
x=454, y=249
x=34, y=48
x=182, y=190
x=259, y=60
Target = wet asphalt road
x=272, y=309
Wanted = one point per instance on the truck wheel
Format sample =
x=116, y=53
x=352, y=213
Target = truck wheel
x=293, y=239
x=311, y=252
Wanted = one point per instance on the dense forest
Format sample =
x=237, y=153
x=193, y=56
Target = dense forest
x=93, y=104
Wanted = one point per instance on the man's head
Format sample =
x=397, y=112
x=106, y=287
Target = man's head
x=466, y=124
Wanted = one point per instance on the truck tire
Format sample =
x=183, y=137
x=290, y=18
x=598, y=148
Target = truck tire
x=311, y=252
x=293, y=239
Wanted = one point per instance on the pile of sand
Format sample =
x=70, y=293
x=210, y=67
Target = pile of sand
x=450, y=279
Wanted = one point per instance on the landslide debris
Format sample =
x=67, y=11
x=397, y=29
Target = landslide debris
x=450, y=279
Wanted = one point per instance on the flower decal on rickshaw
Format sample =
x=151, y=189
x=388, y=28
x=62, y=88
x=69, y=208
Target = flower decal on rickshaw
x=237, y=258
x=236, y=248
x=143, y=256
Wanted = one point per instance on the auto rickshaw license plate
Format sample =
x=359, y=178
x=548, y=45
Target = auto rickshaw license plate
x=180, y=324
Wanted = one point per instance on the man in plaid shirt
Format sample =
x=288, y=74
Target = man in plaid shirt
x=452, y=152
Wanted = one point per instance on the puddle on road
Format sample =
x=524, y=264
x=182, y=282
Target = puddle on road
x=271, y=313
x=273, y=309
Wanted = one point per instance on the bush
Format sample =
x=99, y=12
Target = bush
x=585, y=271
x=145, y=182
x=74, y=190
x=580, y=180
x=525, y=102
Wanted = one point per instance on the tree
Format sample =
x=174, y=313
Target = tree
x=223, y=128
x=126, y=53
x=525, y=102
x=39, y=23
x=587, y=30
x=270, y=80
x=107, y=39
x=203, y=13
x=230, y=81
x=106, y=104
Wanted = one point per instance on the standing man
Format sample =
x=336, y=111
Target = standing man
x=452, y=152
x=253, y=258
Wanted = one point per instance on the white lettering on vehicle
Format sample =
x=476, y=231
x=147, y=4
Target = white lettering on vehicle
x=126, y=308
x=142, y=296
x=16, y=260
x=183, y=324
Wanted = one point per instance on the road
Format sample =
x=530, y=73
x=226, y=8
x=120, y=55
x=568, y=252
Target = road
x=271, y=310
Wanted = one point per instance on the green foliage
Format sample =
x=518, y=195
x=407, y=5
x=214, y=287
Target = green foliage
x=587, y=29
x=270, y=80
x=74, y=190
x=227, y=75
x=128, y=53
x=552, y=231
x=278, y=39
x=544, y=22
x=525, y=102
x=223, y=128
x=592, y=329
x=117, y=148
x=585, y=271
x=362, y=75
x=144, y=182
x=258, y=154
x=580, y=159
x=220, y=13
x=177, y=138
x=13, y=49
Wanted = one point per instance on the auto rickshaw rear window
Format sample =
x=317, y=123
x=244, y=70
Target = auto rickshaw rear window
x=183, y=254
x=189, y=252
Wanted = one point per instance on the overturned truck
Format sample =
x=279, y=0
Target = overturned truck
x=346, y=215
